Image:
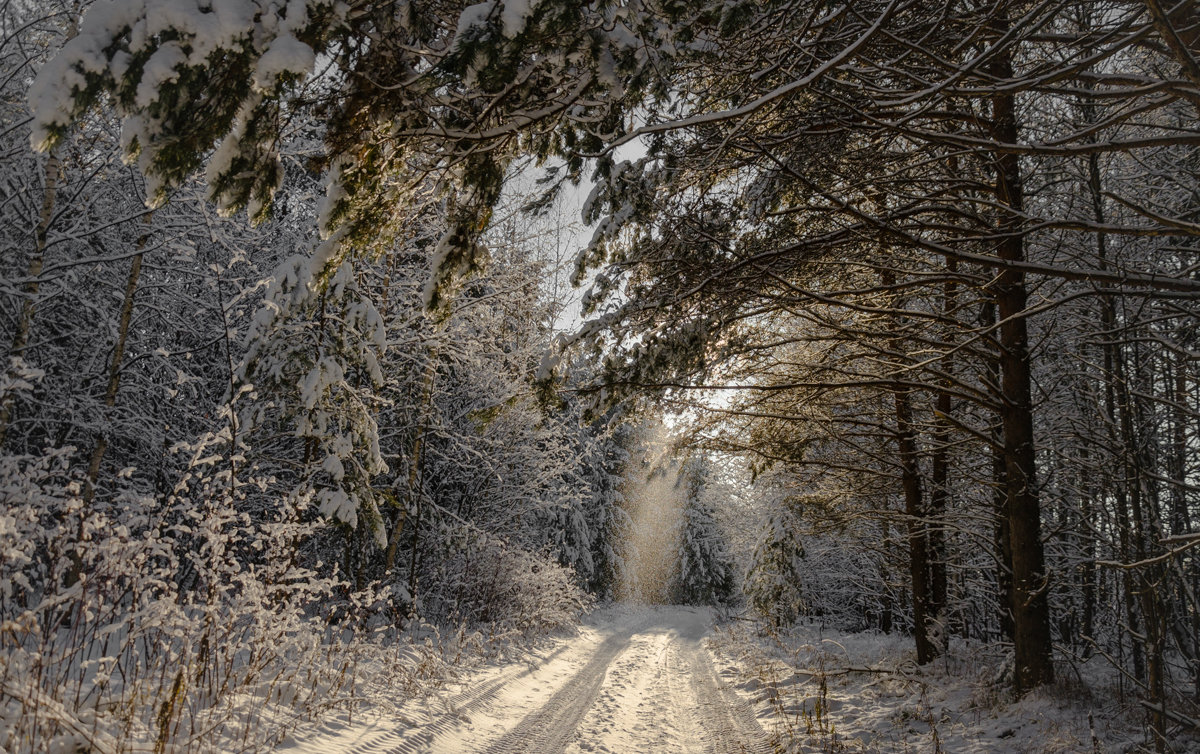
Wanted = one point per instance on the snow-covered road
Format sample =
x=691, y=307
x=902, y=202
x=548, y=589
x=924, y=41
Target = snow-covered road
x=635, y=680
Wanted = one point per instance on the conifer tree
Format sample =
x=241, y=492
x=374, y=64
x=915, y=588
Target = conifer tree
x=703, y=574
x=774, y=581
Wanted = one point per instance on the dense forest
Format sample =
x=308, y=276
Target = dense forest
x=885, y=317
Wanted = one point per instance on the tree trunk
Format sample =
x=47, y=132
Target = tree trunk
x=1178, y=29
x=1087, y=567
x=1150, y=578
x=1001, y=542
x=927, y=649
x=114, y=368
x=1031, y=606
x=110, y=400
x=914, y=507
x=939, y=496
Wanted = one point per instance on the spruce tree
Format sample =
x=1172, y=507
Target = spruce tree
x=703, y=574
x=774, y=579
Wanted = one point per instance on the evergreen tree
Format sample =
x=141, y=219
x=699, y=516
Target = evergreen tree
x=703, y=574
x=313, y=367
x=775, y=577
x=604, y=464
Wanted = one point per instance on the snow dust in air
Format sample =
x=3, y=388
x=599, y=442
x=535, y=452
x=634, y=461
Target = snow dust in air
x=655, y=505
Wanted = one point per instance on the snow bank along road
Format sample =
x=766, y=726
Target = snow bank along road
x=637, y=681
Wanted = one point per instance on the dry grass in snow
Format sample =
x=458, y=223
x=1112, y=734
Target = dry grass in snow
x=818, y=690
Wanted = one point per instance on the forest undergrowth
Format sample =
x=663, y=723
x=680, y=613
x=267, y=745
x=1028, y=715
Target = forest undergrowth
x=818, y=689
x=161, y=635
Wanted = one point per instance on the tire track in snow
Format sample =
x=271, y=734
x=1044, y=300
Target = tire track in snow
x=638, y=707
x=649, y=686
x=550, y=728
x=729, y=723
x=645, y=689
x=418, y=738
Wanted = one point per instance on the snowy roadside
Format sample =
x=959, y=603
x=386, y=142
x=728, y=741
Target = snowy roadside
x=815, y=689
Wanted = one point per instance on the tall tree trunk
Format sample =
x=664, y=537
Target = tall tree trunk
x=1116, y=404
x=1180, y=517
x=1087, y=567
x=1031, y=606
x=110, y=399
x=1001, y=541
x=52, y=174
x=1181, y=521
x=939, y=495
x=1151, y=576
x=910, y=476
x=914, y=507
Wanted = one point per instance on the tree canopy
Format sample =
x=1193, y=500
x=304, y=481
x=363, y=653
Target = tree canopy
x=863, y=215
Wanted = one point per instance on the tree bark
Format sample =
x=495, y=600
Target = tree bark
x=939, y=496
x=114, y=367
x=1001, y=541
x=1031, y=607
x=927, y=649
x=914, y=508
x=1178, y=30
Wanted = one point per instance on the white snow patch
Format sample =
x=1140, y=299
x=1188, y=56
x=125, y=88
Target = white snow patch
x=471, y=17
x=515, y=16
x=51, y=96
x=285, y=55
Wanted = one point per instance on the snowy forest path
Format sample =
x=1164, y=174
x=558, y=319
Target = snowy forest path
x=663, y=695
x=638, y=679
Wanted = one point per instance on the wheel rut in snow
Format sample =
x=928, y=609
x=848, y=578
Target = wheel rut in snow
x=417, y=740
x=729, y=723
x=648, y=687
x=677, y=703
x=549, y=729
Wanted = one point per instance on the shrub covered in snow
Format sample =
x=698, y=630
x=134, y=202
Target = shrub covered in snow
x=503, y=590
x=181, y=621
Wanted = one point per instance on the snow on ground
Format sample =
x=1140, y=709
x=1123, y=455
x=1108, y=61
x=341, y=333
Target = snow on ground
x=653, y=680
x=634, y=679
x=816, y=690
